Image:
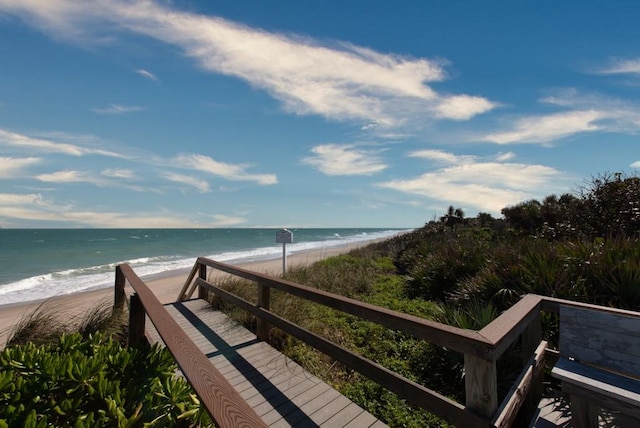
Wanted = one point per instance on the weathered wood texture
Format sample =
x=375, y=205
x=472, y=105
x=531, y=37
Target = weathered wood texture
x=280, y=391
x=598, y=350
x=481, y=387
x=606, y=389
x=600, y=338
x=224, y=404
x=530, y=377
x=506, y=329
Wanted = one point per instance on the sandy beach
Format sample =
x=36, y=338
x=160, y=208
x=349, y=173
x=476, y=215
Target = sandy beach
x=166, y=288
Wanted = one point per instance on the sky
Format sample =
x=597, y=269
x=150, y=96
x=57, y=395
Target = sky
x=188, y=114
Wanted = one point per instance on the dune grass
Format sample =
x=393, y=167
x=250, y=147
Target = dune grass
x=46, y=323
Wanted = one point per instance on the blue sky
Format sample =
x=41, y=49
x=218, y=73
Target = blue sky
x=307, y=114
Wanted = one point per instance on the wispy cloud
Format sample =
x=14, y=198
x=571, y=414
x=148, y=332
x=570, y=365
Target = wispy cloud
x=147, y=74
x=586, y=113
x=334, y=159
x=8, y=138
x=234, y=172
x=546, y=128
x=12, y=167
x=487, y=185
x=34, y=207
x=621, y=66
x=118, y=173
x=221, y=220
x=70, y=176
x=117, y=109
x=636, y=164
x=197, y=183
x=340, y=81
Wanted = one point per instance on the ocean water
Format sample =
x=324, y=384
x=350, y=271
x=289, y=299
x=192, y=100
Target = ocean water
x=42, y=263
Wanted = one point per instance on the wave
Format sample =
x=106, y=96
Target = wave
x=70, y=281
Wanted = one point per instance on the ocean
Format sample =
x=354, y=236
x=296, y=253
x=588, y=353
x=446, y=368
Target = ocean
x=41, y=263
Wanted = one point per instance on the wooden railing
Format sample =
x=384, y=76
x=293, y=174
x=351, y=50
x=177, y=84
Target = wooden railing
x=223, y=403
x=481, y=349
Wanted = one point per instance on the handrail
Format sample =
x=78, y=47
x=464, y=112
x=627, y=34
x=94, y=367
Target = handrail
x=223, y=403
x=481, y=349
x=458, y=339
x=411, y=391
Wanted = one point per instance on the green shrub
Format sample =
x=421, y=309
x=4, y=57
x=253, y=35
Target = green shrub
x=93, y=382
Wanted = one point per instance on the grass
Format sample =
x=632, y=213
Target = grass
x=45, y=324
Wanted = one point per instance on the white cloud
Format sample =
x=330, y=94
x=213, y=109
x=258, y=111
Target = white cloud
x=117, y=109
x=13, y=139
x=7, y=199
x=228, y=171
x=69, y=176
x=542, y=129
x=636, y=164
x=435, y=155
x=147, y=74
x=503, y=157
x=33, y=207
x=463, y=107
x=622, y=66
x=339, y=81
x=11, y=167
x=334, y=159
x=201, y=185
x=487, y=186
x=118, y=173
x=221, y=220
x=586, y=112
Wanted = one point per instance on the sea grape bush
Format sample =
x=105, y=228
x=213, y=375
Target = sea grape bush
x=94, y=383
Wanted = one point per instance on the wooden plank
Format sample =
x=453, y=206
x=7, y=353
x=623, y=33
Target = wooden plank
x=603, y=382
x=552, y=304
x=481, y=385
x=136, y=321
x=280, y=391
x=526, y=381
x=183, y=292
x=600, y=338
x=461, y=340
x=222, y=402
x=507, y=328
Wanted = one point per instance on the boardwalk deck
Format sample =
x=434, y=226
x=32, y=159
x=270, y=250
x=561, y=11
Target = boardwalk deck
x=281, y=392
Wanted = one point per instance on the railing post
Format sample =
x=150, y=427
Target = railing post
x=202, y=274
x=137, y=318
x=262, y=326
x=481, y=385
x=531, y=338
x=119, y=296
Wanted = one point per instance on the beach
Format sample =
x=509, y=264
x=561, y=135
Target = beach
x=166, y=288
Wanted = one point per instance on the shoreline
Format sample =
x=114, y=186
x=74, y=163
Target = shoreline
x=165, y=285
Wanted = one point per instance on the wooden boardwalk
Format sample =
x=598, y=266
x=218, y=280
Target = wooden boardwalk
x=280, y=391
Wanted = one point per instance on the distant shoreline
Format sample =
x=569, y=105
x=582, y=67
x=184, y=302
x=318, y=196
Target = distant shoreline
x=165, y=285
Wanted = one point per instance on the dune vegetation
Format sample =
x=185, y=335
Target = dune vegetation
x=465, y=272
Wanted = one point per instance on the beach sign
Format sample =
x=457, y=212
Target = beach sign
x=284, y=236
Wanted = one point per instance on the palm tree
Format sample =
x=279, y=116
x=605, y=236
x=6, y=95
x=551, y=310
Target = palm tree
x=453, y=216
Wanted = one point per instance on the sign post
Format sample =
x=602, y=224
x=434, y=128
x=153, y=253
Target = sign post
x=286, y=237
